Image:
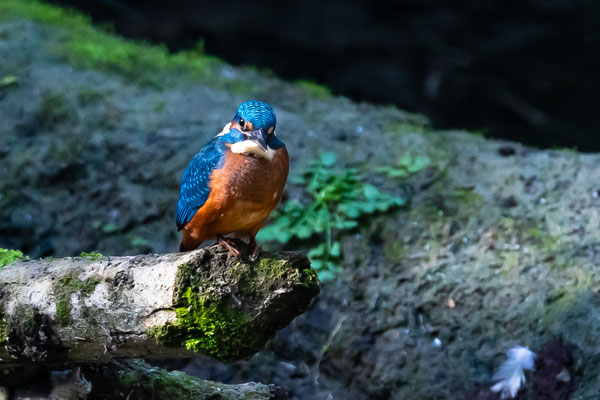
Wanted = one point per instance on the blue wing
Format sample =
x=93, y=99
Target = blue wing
x=195, y=182
x=195, y=186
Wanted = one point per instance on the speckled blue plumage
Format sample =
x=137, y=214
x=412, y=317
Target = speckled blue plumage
x=259, y=113
x=194, y=182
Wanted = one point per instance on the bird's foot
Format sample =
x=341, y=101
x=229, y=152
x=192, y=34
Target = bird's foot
x=228, y=243
x=255, y=249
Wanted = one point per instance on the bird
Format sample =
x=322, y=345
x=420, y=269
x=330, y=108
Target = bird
x=231, y=186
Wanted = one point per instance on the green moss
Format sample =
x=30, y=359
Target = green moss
x=66, y=286
x=548, y=242
x=30, y=316
x=401, y=128
x=203, y=325
x=159, y=106
x=314, y=89
x=564, y=300
x=255, y=280
x=9, y=256
x=446, y=200
x=155, y=383
x=411, y=123
x=92, y=255
x=272, y=268
x=89, y=47
x=308, y=277
x=5, y=328
x=206, y=326
x=63, y=311
x=393, y=251
x=211, y=328
x=160, y=384
x=52, y=110
x=468, y=198
x=220, y=328
x=86, y=96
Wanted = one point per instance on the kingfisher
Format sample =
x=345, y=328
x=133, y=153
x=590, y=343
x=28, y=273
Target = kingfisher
x=231, y=186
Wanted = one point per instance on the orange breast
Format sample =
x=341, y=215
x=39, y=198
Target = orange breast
x=243, y=194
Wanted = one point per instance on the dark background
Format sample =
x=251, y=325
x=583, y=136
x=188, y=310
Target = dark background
x=525, y=70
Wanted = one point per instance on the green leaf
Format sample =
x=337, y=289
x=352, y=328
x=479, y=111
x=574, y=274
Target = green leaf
x=302, y=231
x=109, y=228
x=335, y=251
x=318, y=265
x=371, y=192
x=334, y=203
x=325, y=274
x=350, y=210
x=418, y=164
x=345, y=224
x=317, y=252
x=139, y=241
x=328, y=159
x=9, y=80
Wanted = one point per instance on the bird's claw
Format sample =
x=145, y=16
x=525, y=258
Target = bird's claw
x=229, y=245
x=255, y=250
x=235, y=252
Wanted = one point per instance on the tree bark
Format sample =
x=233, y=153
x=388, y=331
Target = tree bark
x=97, y=308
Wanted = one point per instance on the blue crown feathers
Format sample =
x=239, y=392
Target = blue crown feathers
x=259, y=113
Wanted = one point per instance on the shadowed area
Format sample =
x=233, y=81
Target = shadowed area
x=524, y=70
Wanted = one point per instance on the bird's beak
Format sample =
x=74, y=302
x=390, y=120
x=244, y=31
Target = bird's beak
x=258, y=136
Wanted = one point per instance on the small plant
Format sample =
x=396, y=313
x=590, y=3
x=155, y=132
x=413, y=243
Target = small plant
x=9, y=80
x=92, y=255
x=138, y=241
x=106, y=228
x=336, y=202
x=8, y=256
x=406, y=166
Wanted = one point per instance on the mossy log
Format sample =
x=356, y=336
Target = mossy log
x=138, y=380
x=132, y=380
x=96, y=308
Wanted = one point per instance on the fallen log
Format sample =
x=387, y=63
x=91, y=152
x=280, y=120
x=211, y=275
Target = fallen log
x=134, y=380
x=96, y=308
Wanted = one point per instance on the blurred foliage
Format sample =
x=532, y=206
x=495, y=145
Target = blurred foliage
x=90, y=47
x=337, y=200
x=406, y=166
x=314, y=89
x=8, y=80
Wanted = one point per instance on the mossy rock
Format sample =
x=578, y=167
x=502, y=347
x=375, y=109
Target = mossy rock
x=230, y=321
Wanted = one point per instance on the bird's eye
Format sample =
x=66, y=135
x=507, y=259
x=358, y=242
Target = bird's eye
x=242, y=123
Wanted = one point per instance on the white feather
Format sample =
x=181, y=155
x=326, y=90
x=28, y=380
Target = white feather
x=510, y=375
x=225, y=130
x=252, y=147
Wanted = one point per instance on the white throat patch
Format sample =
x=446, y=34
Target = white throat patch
x=252, y=147
x=225, y=130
